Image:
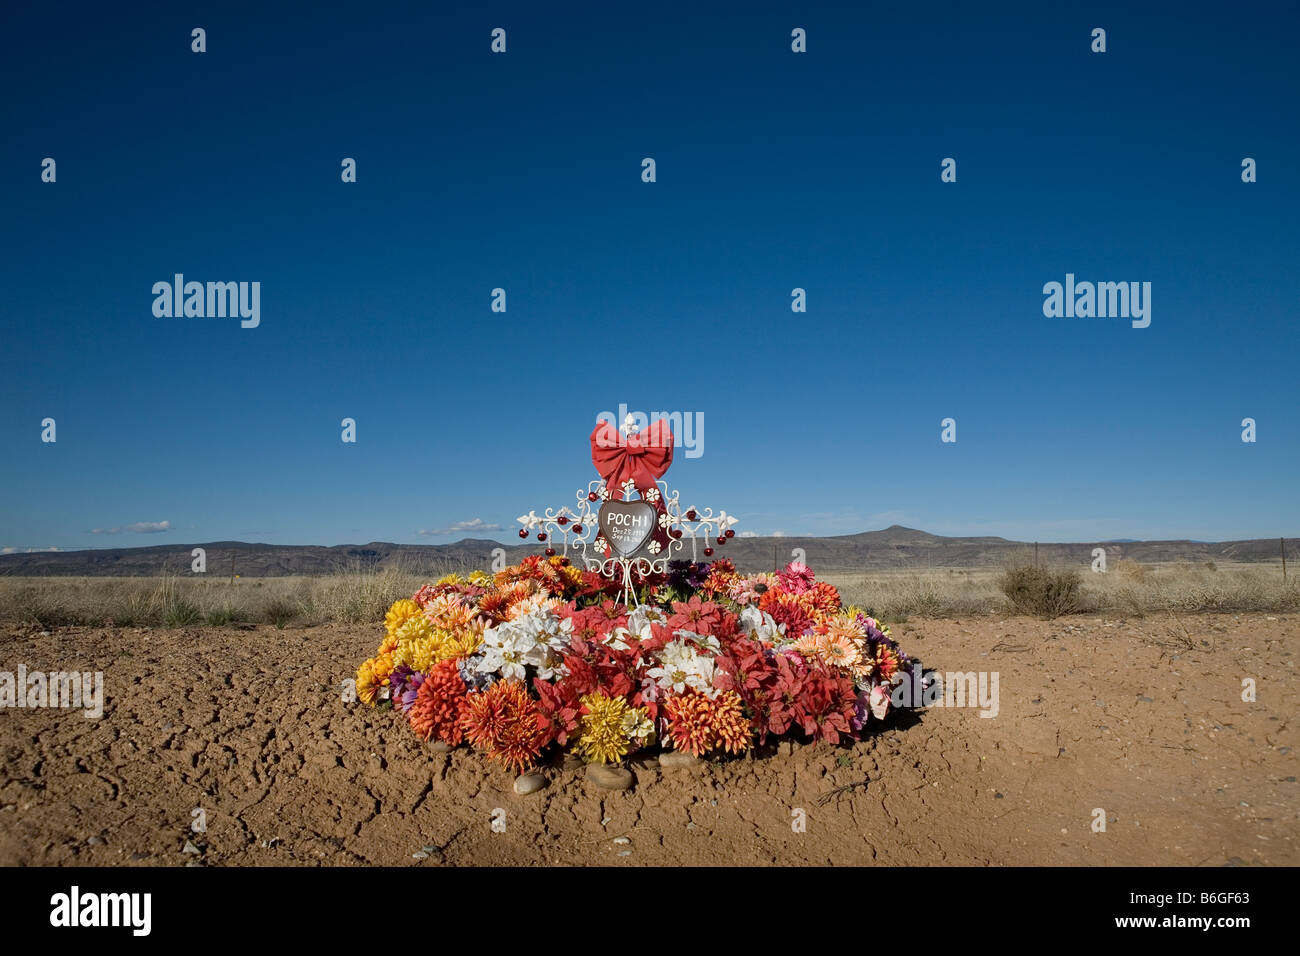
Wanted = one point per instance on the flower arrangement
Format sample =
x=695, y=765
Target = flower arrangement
x=704, y=660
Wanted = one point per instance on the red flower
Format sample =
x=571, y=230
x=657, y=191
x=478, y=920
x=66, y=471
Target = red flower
x=825, y=702
x=438, y=704
x=559, y=707
x=752, y=671
x=699, y=617
x=787, y=609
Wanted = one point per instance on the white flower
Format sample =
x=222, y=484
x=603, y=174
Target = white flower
x=681, y=668
x=654, y=547
x=617, y=639
x=536, y=639
x=665, y=519
x=641, y=617
x=705, y=642
x=651, y=494
x=760, y=625
x=636, y=725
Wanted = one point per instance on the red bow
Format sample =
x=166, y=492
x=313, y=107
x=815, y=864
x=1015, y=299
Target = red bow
x=640, y=458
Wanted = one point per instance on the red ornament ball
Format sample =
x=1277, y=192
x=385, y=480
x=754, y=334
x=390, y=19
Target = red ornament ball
x=541, y=536
x=722, y=539
x=708, y=552
x=691, y=515
x=550, y=552
x=730, y=533
x=577, y=529
x=523, y=532
x=592, y=496
x=561, y=520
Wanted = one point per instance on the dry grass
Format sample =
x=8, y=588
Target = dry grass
x=1128, y=588
x=359, y=595
x=352, y=596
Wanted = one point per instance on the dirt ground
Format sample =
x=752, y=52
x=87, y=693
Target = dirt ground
x=1143, y=719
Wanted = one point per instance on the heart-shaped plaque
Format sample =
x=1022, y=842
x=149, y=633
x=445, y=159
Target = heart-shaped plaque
x=627, y=525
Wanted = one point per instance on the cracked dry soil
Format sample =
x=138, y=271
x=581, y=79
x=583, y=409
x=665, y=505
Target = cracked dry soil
x=1140, y=718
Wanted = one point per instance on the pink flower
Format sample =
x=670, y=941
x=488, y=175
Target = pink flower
x=879, y=701
x=797, y=577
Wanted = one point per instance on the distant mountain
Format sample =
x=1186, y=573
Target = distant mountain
x=894, y=547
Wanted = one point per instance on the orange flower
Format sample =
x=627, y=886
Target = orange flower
x=506, y=722
x=697, y=724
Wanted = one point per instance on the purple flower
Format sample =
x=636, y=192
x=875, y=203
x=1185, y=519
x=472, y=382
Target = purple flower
x=398, y=679
x=410, y=691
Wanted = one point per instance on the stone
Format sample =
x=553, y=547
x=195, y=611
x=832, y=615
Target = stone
x=644, y=761
x=529, y=783
x=191, y=849
x=609, y=778
x=440, y=747
x=621, y=841
x=571, y=762
x=677, y=760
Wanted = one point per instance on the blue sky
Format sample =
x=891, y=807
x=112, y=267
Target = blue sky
x=775, y=170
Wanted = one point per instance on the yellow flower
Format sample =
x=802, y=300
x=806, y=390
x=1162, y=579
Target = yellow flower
x=372, y=675
x=415, y=644
x=601, y=737
x=399, y=614
x=460, y=643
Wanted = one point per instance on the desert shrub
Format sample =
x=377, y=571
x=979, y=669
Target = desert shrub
x=1040, y=591
x=181, y=612
x=1130, y=569
x=280, y=611
x=221, y=614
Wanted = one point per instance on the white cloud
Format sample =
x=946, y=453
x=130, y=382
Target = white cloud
x=7, y=550
x=148, y=527
x=460, y=527
x=139, y=527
